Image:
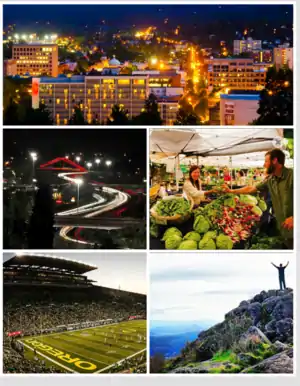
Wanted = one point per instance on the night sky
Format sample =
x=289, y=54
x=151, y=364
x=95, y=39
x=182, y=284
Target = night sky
x=51, y=143
x=66, y=17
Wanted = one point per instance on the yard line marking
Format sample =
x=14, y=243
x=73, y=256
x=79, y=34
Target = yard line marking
x=118, y=363
x=50, y=359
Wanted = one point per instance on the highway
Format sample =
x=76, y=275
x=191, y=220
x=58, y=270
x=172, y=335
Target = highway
x=96, y=222
x=99, y=206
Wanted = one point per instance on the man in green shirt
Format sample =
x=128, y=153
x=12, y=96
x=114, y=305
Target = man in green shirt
x=280, y=186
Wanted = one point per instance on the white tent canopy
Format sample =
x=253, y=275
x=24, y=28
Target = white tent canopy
x=212, y=142
x=235, y=148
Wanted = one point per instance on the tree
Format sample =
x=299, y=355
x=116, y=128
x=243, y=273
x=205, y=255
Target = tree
x=41, y=231
x=118, y=117
x=276, y=99
x=150, y=115
x=157, y=363
x=40, y=116
x=77, y=118
x=186, y=116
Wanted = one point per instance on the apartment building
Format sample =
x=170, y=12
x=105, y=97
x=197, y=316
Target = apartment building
x=36, y=59
x=236, y=74
x=95, y=95
x=247, y=45
x=283, y=56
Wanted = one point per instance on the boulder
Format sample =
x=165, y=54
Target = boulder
x=279, y=363
x=270, y=330
x=269, y=303
x=244, y=303
x=279, y=346
x=254, y=310
x=284, y=329
x=254, y=334
x=283, y=308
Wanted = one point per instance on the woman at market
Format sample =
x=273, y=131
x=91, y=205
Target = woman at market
x=192, y=186
x=226, y=175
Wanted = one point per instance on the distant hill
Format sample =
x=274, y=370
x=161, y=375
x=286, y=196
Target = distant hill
x=255, y=337
x=168, y=337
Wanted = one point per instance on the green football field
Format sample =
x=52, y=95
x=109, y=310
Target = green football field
x=91, y=350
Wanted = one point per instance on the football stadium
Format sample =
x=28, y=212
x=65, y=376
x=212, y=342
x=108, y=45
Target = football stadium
x=57, y=320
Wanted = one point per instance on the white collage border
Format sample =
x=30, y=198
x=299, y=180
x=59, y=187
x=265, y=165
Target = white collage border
x=161, y=379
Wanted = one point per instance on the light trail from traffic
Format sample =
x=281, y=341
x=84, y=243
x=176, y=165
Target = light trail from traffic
x=96, y=208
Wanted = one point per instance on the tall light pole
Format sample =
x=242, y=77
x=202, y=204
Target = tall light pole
x=97, y=160
x=108, y=163
x=33, y=155
x=89, y=165
x=77, y=159
x=78, y=182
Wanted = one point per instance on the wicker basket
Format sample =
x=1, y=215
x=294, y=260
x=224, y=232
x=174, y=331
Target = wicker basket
x=153, y=192
x=177, y=218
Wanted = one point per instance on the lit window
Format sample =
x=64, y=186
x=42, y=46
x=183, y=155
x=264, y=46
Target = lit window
x=139, y=81
x=123, y=81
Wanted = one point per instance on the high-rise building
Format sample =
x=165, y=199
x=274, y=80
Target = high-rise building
x=236, y=74
x=283, y=56
x=36, y=59
x=238, y=109
x=94, y=95
x=248, y=45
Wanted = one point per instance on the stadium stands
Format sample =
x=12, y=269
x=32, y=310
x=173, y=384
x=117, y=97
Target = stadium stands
x=43, y=294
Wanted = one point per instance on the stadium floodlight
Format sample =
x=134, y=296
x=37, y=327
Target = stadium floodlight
x=108, y=163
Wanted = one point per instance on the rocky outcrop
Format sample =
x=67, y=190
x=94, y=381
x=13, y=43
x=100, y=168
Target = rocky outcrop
x=256, y=336
x=279, y=363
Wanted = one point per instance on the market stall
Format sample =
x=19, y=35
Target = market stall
x=223, y=221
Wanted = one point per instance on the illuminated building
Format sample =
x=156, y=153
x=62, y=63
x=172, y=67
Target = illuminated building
x=238, y=109
x=36, y=59
x=9, y=67
x=236, y=74
x=283, y=56
x=94, y=95
x=168, y=108
x=248, y=45
x=262, y=56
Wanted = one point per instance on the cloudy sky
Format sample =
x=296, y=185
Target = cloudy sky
x=194, y=287
x=127, y=270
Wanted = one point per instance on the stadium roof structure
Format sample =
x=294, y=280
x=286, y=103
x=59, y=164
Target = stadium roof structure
x=53, y=263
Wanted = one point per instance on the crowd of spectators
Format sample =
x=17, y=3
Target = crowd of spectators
x=135, y=365
x=39, y=316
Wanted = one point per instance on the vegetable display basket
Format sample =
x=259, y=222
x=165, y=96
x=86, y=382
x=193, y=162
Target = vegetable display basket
x=172, y=220
x=153, y=192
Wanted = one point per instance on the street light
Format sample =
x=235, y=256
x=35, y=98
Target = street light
x=89, y=165
x=78, y=159
x=97, y=161
x=33, y=155
x=108, y=163
x=78, y=182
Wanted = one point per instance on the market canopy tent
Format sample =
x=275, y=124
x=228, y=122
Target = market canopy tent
x=212, y=142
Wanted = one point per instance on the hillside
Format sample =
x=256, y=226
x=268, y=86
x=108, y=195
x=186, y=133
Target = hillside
x=255, y=337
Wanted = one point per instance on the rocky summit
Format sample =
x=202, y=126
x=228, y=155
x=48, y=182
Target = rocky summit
x=255, y=337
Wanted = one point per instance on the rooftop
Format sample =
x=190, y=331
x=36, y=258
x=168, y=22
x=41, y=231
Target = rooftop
x=49, y=261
